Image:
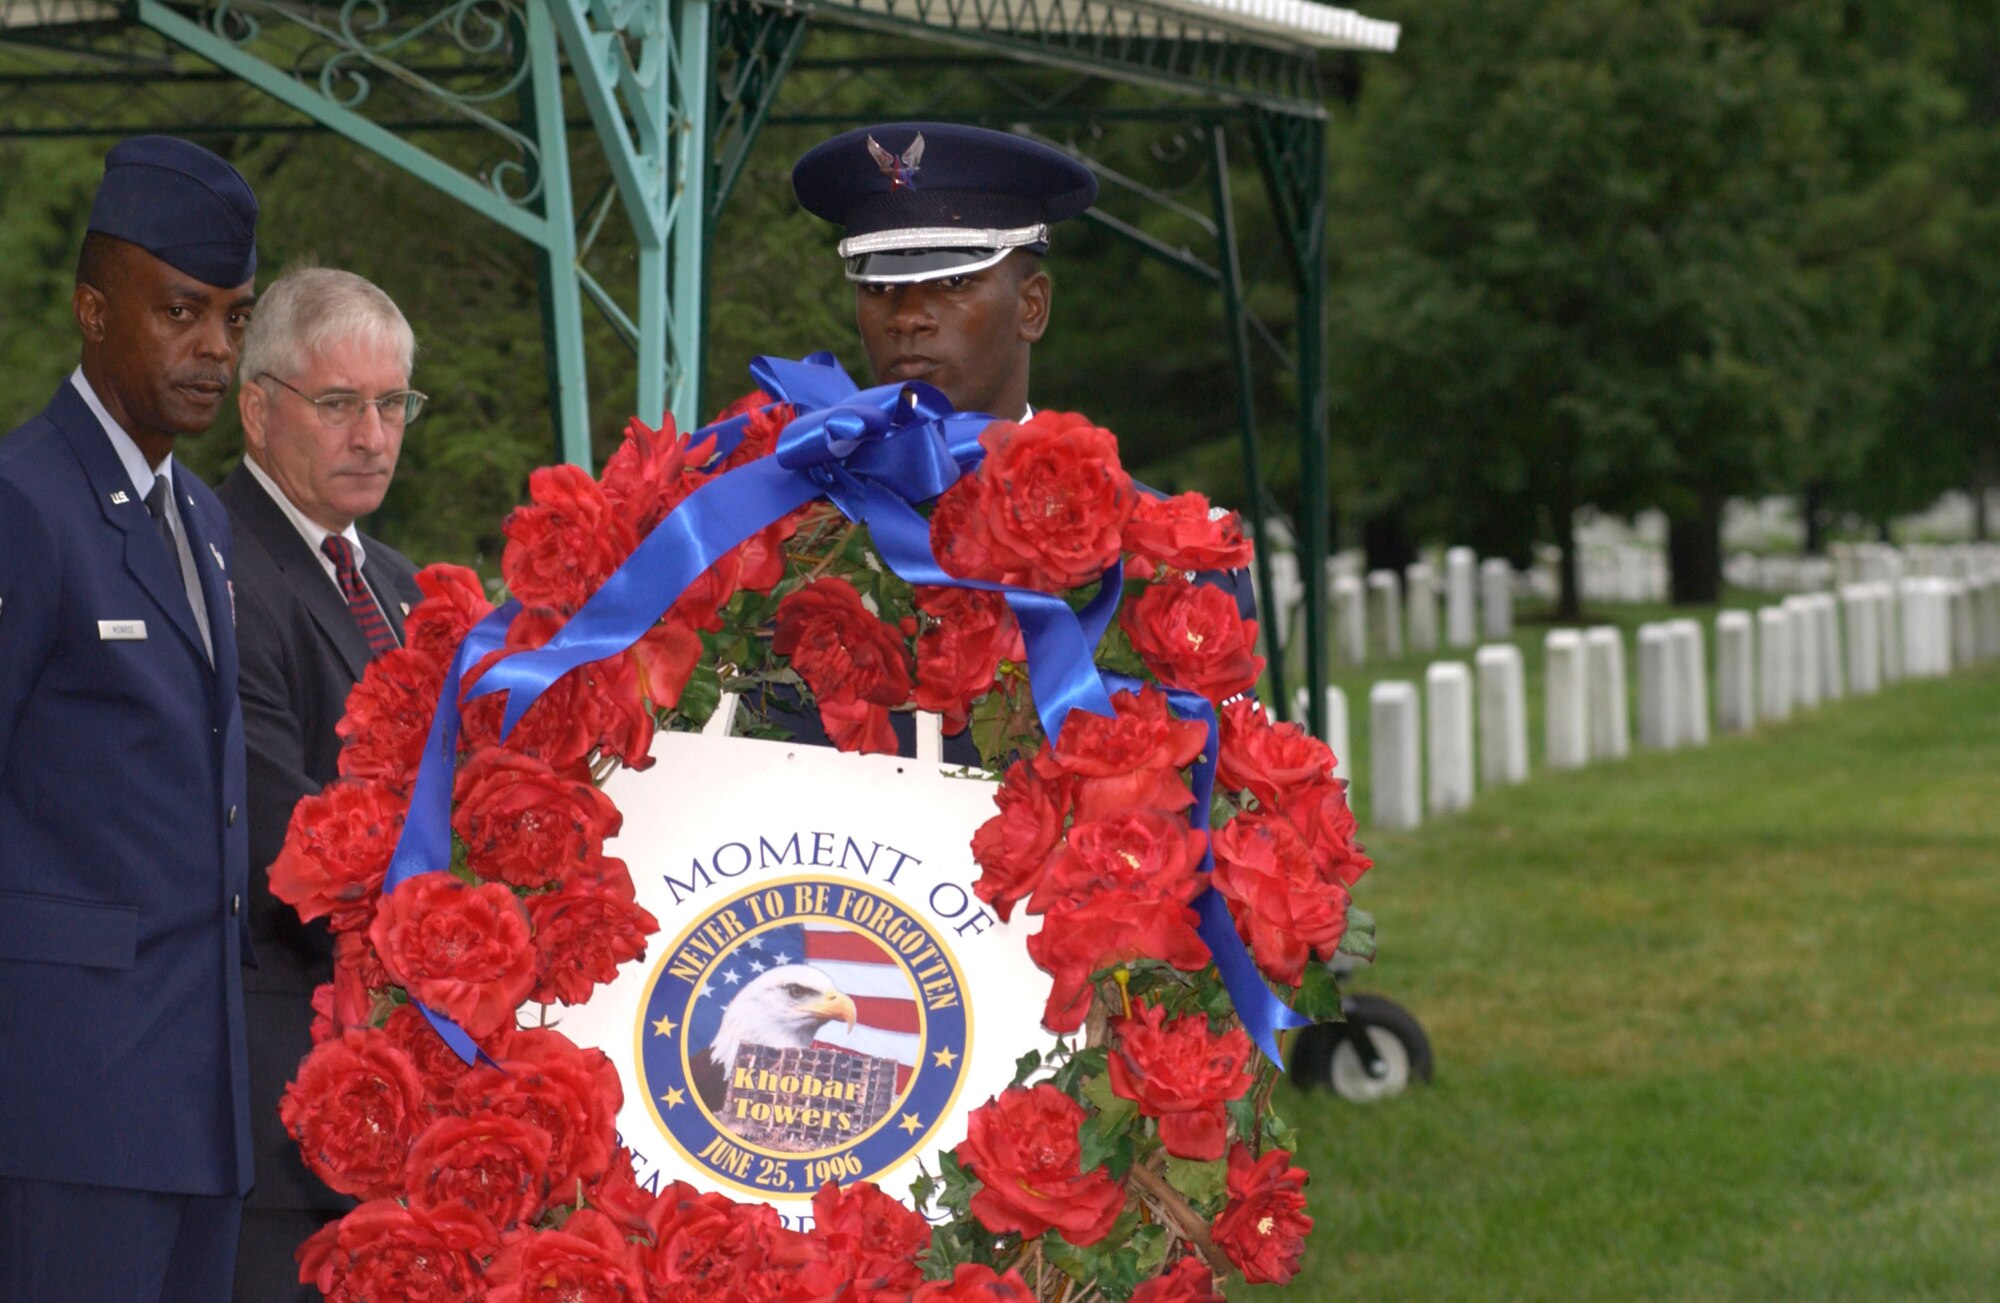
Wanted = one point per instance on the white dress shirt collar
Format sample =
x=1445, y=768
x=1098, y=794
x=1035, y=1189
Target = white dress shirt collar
x=309, y=529
x=129, y=456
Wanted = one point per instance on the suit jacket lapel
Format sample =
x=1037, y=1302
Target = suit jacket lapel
x=387, y=595
x=303, y=573
x=151, y=565
x=219, y=596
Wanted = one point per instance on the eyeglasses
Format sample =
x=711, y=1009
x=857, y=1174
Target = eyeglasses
x=340, y=410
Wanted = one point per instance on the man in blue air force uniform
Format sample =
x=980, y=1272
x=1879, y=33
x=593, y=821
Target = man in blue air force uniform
x=943, y=231
x=126, y=1147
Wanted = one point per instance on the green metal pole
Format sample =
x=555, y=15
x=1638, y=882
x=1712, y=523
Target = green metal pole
x=1246, y=411
x=562, y=297
x=1312, y=408
x=688, y=221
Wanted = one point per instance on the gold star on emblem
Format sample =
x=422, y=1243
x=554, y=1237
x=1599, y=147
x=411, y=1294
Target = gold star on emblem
x=664, y=1027
x=945, y=1058
x=910, y=1123
x=673, y=1098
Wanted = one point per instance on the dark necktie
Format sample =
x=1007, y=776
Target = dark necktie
x=360, y=601
x=160, y=504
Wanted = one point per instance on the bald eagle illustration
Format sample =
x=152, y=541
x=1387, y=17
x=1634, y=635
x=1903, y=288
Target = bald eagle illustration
x=784, y=1008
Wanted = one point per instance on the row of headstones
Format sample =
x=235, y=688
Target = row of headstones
x=1622, y=572
x=1854, y=563
x=1382, y=614
x=1789, y=656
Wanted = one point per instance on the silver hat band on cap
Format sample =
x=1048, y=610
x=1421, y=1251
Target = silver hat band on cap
x=943, y=237
x=908, y=267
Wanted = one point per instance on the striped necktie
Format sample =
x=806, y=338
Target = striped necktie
x=360, y=602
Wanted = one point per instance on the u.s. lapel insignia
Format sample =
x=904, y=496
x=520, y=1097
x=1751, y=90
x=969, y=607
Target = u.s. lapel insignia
x=216, y=552
x=120, y=497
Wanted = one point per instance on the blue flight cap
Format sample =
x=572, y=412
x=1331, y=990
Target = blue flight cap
x=921, y=200
x=183, y=205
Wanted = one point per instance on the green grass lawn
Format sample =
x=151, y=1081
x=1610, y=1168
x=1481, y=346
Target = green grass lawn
x=1713, y=1024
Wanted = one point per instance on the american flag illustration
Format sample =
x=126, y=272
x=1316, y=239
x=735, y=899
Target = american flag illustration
x=887, y=1021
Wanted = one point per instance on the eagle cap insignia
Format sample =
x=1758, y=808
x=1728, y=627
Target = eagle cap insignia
x=900, y=169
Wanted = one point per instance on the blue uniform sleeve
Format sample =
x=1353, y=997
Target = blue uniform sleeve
x=30, y=593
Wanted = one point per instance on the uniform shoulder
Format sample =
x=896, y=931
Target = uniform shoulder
x=34, y=449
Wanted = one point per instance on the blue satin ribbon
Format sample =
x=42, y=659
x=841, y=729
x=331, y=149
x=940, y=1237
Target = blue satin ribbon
x=1264, y=1015
x=424, y=846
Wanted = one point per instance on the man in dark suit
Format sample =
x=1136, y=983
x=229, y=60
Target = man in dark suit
x=325, y=399
x=123, y=864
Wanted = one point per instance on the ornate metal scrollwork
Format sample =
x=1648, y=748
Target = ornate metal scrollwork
x=458, y=60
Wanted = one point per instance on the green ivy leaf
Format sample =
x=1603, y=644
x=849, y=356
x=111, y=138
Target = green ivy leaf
x=952, y=1246
x=956, y=1185
x=1359, y=939
x=1203, y=1184
x=1243, y=1117
x=1024, y=1067
x=1115, y=1264
x=702, y=694
x=1081, y=1066
x=1319, y=994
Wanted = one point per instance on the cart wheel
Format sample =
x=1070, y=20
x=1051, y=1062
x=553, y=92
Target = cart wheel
x=1402, y=1052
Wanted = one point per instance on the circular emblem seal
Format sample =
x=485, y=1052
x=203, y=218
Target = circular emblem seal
x=802, y=1031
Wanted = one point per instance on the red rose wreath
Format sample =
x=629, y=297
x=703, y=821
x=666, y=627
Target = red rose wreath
x=1140, y=1161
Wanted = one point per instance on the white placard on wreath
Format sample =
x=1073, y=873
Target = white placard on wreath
x=825, y=999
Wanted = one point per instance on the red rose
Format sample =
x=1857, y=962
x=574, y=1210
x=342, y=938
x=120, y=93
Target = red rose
x=760, y=437
x=709, y=1249
x=958, y=657
x=1109, y=929
x=587, y=1261
x=1143, y=852
x=1283, y=906
x=464, y=951
x=649, y=474
x=438, y=1065
x=1263, y=1229
x=354, y=1108
x=1023, y=1147
x=667, y=658
x=337, y=850
x=1183, y=1075
x=523, y=823
x=1054, y=499
x=1189, y=1282
x=581, y=938
x=567, y=1092
x=595, y=707
x=565, y=542
x=862, y=1241
x=1012, y=847
x=960, y=537
x=496, y=1166
x=1268, y=759
x=1177, y=533
x=1322, y=816
x=359, y=982
x=454, y=601
x=855, y=664
x=972, y=1282
x=383, y=1250
x=618, y=1195
x=1190, y=636
x=1132, y=761
x=388, y=717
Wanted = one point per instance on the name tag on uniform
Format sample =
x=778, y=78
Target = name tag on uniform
x=121, y=630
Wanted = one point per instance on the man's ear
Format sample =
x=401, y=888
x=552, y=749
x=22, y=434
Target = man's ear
x=1036, y=292
x=253, y=404
x=89, y=304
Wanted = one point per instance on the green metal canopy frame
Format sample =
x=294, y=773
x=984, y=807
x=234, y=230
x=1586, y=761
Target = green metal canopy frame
x=677, y=92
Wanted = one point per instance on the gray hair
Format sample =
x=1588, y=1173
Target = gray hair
x=308, y=309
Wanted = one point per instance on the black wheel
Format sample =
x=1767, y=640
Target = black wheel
x=1312, y=1052
x=1398, y=1051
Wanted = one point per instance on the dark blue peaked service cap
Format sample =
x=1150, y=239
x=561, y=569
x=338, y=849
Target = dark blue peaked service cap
x=920, y=200
x=183, y=205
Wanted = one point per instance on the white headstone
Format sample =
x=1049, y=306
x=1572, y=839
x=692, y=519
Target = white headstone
x=1335, y=732
x=1350, y=620
x=1608, y=707
x=1989, y=618
x=1421, y=597
x=1496, y=599
x=1688, y=657
x=1287, y=591
x=1735, y=672
x=1864, y=638
x=1832, y=666
x=1774, y=663
x=1385, y=612
x=1396, y=794
x=1461, y=621
x=1568, y=743
x=1964, y=624
x=1889, y=622
x=1503, y=715
x=1805, y=651
x=1448, y=725
x=1659, y=690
